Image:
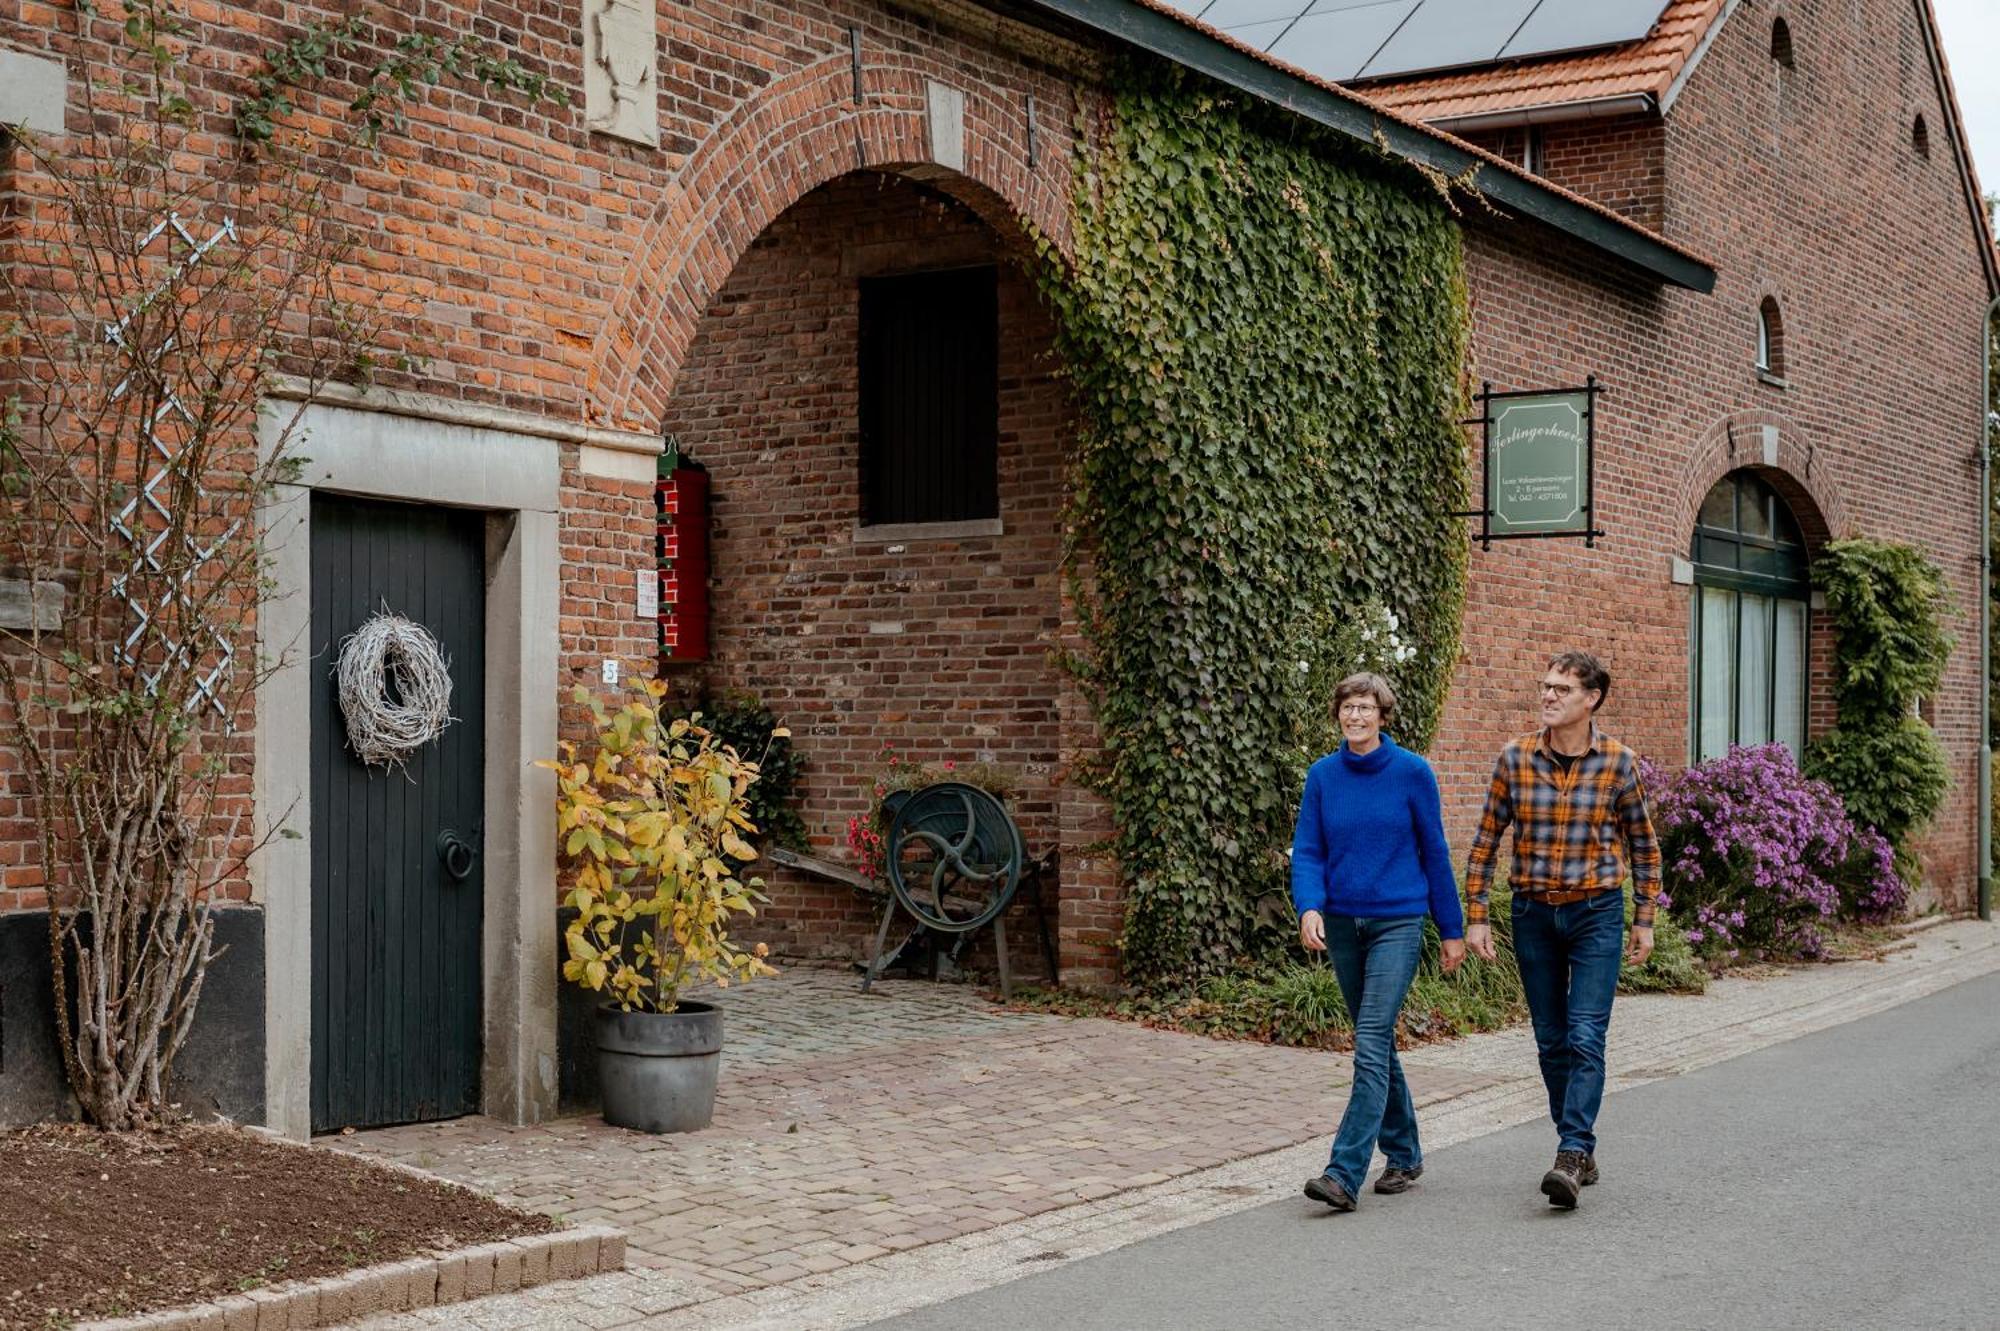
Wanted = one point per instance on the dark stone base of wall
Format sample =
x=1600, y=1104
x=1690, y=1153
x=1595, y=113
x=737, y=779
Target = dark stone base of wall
x=220, y=1072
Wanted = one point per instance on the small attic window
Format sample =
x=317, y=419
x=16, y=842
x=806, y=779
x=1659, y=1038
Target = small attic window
x=1781, y=44
x=1920, y=137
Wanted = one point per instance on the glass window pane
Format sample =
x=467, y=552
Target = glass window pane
x=1718, y=510
x=1753, y=672
x=1755, y=512
x=1715, y=684
x=1789, y=724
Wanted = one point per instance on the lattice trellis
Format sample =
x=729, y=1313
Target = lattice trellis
x=147, y=523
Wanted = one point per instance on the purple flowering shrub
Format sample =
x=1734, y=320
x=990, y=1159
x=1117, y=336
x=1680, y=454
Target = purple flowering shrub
x=1758, y=857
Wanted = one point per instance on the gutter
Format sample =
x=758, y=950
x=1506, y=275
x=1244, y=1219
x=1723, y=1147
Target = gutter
x=1172, y=36
x=1550, y=113
x=1988, y=418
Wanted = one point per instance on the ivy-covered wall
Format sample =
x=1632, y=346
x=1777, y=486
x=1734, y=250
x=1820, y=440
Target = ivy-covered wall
x=1266, y=332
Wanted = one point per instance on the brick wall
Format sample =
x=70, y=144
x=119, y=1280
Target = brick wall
x=1620, y=163
x=1802, y=186
x=590, y=280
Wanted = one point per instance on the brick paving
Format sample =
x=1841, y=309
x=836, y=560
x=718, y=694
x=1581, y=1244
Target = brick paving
x=1469, y=1087
x=849, y=1127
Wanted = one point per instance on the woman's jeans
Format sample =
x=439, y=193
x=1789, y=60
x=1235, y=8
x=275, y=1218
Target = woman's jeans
x=1374, y=960
x=1569, y=957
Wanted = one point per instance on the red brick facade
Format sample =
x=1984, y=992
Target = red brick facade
x=707, y=289
x=1804, y=186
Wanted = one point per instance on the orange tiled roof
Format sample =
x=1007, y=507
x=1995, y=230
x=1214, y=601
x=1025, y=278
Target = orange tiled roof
x=1649, y=65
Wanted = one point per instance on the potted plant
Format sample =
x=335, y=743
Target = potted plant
x=650, y=822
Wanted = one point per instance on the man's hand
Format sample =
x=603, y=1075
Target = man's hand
x=1479, y=938
x=1641, y=945
x=1312, y=931
x=1453, y=954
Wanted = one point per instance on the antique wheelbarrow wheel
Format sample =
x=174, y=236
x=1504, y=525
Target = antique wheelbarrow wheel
x=954, y=858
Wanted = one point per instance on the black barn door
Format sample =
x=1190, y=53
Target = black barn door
x=395, y=931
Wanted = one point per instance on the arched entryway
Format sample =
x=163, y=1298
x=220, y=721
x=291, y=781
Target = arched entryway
x=1751, y=631
x=874, y=394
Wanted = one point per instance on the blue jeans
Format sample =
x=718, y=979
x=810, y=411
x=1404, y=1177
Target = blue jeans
x=1374, y=960
x=1569, y=957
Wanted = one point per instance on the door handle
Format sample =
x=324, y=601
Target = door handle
x=457, y=853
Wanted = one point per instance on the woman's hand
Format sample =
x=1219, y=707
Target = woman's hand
x=1312, y=932
x=1452, y=953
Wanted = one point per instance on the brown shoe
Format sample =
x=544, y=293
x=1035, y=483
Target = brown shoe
x=1397, y=1179
x=1329, y=1190
x=1565, y=1180
x=1588, y=1175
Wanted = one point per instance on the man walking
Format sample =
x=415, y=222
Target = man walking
x=1579, y=814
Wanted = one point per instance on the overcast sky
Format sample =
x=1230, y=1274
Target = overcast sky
x=1972, y=46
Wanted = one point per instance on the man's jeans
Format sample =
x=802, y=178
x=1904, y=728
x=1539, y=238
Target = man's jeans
x=1374, y=960
x=1569, y=957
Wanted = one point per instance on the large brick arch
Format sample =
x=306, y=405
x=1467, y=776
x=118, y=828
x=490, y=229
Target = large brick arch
x=797, y=134
x=1800, y=471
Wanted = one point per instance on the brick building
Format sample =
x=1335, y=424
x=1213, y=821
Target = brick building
x=739, y=243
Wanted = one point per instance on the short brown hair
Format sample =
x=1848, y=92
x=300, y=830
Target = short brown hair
x=1589, y=672
x=1373, y=685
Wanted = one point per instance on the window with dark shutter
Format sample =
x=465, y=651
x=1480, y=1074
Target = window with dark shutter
x=930, y=397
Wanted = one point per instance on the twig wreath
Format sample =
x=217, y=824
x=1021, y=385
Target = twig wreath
x=384, y=733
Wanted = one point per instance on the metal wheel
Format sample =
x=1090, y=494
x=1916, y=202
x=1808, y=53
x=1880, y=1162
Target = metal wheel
x=954, y=857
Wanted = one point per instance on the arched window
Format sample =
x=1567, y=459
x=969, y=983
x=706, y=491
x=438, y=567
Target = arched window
x=1770, y=339
x=1781, y=44
x=1920, y=137
x=1751, y=613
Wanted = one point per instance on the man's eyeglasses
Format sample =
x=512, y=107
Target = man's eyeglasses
x=1559, y=690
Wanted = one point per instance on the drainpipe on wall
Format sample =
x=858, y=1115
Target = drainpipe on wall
x=1986, y=422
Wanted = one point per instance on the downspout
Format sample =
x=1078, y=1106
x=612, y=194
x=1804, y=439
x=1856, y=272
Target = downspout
x=1986, y=422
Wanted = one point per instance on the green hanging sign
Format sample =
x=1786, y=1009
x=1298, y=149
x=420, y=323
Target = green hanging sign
x=1539, y=464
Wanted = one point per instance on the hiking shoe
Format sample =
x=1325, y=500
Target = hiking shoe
x=1329, y=1190
x=1588, y=1174
x=1565, y=1180
x=1398, y=1179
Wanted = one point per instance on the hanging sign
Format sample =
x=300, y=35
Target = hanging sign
x=1539, y=464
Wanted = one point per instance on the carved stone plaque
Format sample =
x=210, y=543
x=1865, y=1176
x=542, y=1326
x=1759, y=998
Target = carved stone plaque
x=620, y=69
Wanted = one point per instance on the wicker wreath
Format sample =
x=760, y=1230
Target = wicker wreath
x=389, y=647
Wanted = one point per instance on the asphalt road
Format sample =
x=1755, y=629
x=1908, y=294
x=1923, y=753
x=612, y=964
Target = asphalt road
x=1850, y=1179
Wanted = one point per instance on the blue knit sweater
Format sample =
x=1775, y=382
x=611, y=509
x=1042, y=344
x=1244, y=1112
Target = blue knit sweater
x=1370, y=840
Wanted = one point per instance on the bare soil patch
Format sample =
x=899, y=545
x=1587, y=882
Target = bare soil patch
x=96, y=1224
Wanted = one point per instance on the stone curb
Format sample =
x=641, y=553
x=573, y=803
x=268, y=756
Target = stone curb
x=420, y=1282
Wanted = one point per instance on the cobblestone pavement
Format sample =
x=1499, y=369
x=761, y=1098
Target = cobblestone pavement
x=943, y=1147
x=849, y=1126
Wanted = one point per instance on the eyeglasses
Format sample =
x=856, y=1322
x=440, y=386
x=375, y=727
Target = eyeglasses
x=1560, y=690
x=1358, y=709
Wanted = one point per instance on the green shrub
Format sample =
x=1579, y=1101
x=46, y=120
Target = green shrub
x=746, y=725
x=1892, y=773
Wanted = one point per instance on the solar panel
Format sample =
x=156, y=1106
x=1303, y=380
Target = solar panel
x=1573, y=25
x=1336, y=43
x=1442, y=35
x=1232, y=14
x=1372, y=39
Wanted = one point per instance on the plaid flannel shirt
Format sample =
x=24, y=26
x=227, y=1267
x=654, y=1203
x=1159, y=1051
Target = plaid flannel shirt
x=1574, y=831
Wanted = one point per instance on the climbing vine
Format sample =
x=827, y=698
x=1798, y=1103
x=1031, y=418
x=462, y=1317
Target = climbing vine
x=1265, y=328
x=1888, y=604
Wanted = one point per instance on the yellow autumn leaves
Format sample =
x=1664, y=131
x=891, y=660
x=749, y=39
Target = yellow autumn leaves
x=652, y=823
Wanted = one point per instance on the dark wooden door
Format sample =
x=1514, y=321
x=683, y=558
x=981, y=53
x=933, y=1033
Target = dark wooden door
x=395, y=934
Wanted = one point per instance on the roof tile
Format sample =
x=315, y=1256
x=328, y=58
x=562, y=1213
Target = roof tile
x=1649, y=65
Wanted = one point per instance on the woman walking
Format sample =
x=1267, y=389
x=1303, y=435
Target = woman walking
x=1369, y=861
